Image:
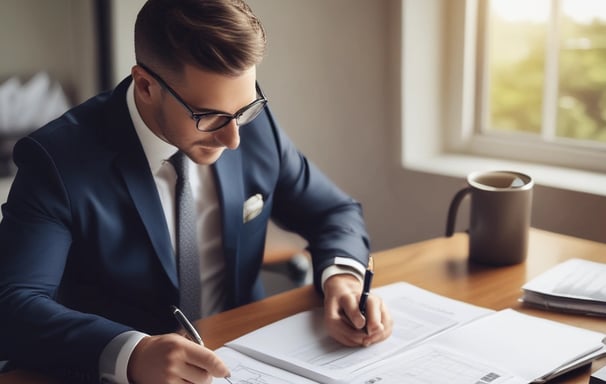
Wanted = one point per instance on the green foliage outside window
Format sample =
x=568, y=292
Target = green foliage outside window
x=582, y=79
x=517, y=75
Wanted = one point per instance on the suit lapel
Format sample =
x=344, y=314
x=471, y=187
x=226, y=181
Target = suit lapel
x=142, y=190
x=132, y=164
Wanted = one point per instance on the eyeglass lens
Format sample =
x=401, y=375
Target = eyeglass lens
x=211, y=121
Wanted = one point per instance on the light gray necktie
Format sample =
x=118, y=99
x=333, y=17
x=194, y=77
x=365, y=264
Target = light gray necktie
x=188, y=258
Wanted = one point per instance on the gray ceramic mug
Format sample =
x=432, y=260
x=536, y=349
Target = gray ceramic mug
x=501, y=203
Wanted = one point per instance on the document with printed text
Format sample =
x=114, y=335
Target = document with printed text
x=435, y=339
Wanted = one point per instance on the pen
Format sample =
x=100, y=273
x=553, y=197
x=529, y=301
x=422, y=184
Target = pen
x=368, y=275
x=190, y=329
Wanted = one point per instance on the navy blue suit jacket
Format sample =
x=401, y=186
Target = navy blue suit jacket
x=85, y=253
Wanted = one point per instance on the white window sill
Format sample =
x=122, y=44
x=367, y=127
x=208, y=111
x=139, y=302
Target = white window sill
x=457, y=165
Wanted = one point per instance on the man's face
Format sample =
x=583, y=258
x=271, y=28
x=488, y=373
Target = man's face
x=202, y=91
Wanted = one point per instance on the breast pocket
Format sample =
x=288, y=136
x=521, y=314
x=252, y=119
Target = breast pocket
x=255, y=222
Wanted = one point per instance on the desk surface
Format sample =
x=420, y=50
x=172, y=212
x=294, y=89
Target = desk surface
x=439, y=265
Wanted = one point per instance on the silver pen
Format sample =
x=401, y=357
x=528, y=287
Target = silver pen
x=190, y=329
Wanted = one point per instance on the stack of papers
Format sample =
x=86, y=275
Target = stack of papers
x=435, y=340
x=576, y=285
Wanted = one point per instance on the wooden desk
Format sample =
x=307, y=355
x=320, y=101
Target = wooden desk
x=439, y=265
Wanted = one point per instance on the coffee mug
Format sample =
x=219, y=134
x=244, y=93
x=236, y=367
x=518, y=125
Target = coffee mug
x=501, y=203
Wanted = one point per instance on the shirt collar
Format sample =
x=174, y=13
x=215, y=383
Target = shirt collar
x=156, y=150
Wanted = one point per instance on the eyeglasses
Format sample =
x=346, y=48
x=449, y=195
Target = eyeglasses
x=211, y=120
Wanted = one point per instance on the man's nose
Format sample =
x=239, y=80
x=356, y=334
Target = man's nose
x=229, y=136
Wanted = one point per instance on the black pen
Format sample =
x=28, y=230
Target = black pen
x=366, y=289
x=190, y=329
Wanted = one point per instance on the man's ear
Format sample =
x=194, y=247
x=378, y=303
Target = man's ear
x=143, y=84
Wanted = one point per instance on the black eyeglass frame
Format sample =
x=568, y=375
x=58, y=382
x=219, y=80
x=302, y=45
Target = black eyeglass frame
x=197, y=116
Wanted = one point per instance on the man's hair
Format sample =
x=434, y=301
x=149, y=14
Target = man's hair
x=220, y=36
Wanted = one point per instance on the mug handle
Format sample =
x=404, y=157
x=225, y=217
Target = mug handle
x=452, y=210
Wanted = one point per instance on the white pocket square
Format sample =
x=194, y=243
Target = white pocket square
x=252, y=207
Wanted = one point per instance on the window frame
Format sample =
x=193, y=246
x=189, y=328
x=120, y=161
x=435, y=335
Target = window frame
x=438, y=86
x=545, y=148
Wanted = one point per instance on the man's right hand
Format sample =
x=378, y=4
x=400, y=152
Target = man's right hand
x=172, y=358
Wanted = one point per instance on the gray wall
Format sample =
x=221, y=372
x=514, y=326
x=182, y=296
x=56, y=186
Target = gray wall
x=55, y=36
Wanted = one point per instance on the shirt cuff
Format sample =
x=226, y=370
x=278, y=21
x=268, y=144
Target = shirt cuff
x=343, y=265
x=113, y=363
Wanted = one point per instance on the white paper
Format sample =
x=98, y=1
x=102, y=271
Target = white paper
x=574, y=278
x=528, y=346
x=435, y=340
x=245, y=370
x=301, y=345
x=436, y=365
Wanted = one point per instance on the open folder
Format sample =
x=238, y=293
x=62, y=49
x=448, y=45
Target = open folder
x=435, y=340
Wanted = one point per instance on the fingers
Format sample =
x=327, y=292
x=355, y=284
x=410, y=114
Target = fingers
x=340, y=329
x=338, y=324
x=347, y=325
x=173, y=359
x=348, y=307
x=205, y=359
x=379, y=324
x=344, y=321
x=201, y=357
x=342, y=316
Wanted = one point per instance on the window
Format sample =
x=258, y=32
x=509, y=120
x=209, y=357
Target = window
x=541, y=83
x=453, y=124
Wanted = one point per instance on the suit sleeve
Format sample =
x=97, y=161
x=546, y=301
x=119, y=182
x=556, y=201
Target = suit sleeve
x=310, y=204
x=36, y=332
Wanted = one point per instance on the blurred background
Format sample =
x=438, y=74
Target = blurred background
x=366, y=89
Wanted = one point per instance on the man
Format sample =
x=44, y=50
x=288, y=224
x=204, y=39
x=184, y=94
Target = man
x=90, y=262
